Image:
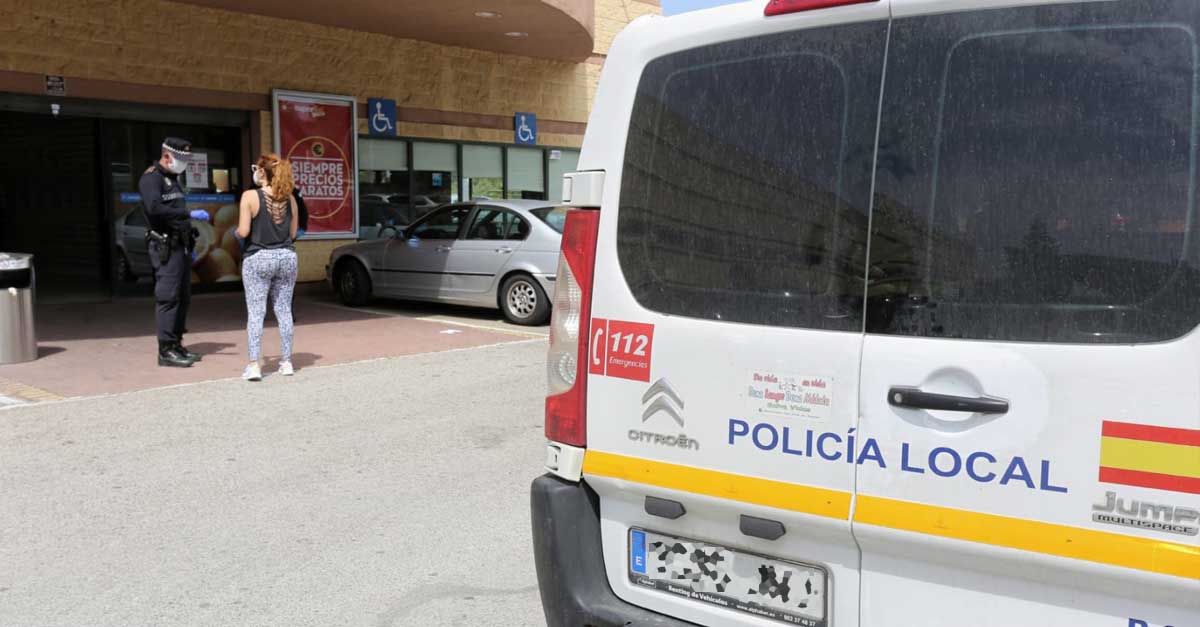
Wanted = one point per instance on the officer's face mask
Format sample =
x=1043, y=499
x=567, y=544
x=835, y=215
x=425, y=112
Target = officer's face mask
x=176, y=165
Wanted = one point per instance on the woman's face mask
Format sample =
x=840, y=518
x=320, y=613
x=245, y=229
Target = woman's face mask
x=260, y=177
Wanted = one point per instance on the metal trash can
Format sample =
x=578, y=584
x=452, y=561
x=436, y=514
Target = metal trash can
x=18, y=339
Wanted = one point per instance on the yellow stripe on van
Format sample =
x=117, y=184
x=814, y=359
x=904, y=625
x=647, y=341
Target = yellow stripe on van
x=1102, y=547
x=788, y=496
x=1155, y=556
x=1158, y=457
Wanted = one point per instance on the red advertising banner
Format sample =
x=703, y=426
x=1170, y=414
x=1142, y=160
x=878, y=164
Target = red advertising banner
x=316, y=133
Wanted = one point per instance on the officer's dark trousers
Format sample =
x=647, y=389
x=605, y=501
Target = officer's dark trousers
x=172, y=292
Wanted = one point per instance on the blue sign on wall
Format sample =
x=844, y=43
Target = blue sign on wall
x=381, y=116
x=131, y=198
x=525, y=128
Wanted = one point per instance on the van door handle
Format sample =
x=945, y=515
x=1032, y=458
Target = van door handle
x=443, y=249
x=914, y=398
x=504, y=249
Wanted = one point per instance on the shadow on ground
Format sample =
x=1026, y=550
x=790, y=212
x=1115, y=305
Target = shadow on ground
x=134, y=317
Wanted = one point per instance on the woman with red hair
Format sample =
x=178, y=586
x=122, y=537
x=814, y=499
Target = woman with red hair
x=268, y=223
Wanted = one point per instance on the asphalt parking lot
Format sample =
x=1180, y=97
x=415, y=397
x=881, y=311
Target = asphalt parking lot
x=383, y=491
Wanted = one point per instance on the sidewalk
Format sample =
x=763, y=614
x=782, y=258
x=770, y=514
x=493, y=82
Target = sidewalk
x=108, y=348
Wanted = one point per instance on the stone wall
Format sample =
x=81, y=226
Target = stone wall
x=166, y=43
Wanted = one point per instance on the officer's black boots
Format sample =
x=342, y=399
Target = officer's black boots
x=187, y=352
x=172, y=356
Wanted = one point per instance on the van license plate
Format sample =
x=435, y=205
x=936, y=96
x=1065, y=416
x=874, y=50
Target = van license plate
x=784, y=591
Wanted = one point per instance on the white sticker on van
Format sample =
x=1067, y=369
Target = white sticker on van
x=789, y=396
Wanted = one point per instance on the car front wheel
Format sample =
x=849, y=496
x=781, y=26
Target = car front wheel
x=523, y=301
x=353, y=283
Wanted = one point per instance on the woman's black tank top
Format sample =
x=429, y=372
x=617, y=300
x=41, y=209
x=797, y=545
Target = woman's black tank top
x=272, y=228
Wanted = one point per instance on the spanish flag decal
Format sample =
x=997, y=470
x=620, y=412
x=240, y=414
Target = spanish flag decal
x=1163, y=458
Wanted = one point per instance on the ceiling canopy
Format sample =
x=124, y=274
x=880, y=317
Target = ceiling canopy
x=552, y=29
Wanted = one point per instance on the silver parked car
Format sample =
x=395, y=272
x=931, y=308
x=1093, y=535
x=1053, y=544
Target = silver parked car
x=132, y=254
x=493, y=253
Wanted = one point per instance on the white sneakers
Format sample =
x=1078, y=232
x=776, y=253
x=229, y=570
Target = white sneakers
x=253, y=372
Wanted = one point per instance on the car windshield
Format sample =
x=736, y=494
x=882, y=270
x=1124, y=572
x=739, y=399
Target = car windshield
x=556, y=217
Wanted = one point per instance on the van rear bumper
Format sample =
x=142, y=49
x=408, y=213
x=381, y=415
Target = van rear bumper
x=570, y=562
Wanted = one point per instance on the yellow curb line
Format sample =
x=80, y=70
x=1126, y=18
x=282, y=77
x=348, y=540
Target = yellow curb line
x=20, y=391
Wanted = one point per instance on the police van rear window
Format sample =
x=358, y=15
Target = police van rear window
x=1036, y=177
x=747, y=179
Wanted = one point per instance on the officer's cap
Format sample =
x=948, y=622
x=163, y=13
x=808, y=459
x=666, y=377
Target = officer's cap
x=176, y=146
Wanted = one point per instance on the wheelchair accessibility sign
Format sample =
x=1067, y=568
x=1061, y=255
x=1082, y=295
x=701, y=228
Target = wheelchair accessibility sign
x=525, y=129
x=381, y=116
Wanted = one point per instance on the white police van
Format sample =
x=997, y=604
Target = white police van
x=882, y=313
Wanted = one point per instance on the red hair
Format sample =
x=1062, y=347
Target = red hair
x=279, y=175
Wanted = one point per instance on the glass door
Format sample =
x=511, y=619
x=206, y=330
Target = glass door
x=213, y=183
x=49, y=203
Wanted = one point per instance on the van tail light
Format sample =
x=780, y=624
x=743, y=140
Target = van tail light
x=780, y=7
x=567, y=364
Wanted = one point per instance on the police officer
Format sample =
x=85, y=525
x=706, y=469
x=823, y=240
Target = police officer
x=171, y=242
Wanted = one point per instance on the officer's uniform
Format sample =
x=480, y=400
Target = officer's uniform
x=165, y=201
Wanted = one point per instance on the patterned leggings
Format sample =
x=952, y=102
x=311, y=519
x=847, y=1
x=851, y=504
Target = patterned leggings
x=270, y=273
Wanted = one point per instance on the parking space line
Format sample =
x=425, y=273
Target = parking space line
x=435, y=318
x=442, y=320
x=367, y=310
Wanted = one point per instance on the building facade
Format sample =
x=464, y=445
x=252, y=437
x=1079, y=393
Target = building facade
x=89, y=88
